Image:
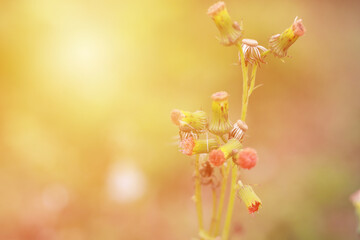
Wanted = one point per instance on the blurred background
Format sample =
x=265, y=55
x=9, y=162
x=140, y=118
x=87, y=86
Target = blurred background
x=87, y=148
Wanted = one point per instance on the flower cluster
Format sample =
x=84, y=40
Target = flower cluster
x=231, y=34
x=220, y=139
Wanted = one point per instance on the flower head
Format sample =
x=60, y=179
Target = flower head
x=230, y=32
x=218, y=157
x=245, y=158
x=355, y=199
x=220, y=123
x=189, y=121
x=280, y=43
x=238, y=130
x=190, y=146
x=252, y=52
x=249, y=197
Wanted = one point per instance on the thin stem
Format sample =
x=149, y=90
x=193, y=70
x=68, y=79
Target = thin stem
x=198, y=200
x=252, y=82
x=264, y=54
x=224, y=139
x=213, y=217
x=245, y=95
x=231, y=203
x=250, y=90
x=245, y=81
x=225, y=173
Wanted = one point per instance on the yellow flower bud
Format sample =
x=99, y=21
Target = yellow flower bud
x=249, y=197
x=230, y=32
x=280, y=43
x=220, y=123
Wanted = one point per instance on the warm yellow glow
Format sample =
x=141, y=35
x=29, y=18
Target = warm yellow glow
x=83, y=62
x=84, y=55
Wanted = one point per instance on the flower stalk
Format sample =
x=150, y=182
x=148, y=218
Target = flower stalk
x=225, y=174
x=198, y=200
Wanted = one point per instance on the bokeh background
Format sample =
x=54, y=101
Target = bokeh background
x=87, y=149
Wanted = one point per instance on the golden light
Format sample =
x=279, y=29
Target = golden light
x=126, y=183
x=84, y=55
x=83, y=62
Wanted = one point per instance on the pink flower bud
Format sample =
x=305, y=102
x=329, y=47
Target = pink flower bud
x=246, y=158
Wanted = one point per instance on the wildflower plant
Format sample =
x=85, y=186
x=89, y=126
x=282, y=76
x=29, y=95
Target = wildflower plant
x=217, y=144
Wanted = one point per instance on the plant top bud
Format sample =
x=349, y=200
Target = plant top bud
x=280, y=43
x=230, y=31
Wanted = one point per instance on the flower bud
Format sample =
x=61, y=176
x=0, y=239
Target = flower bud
x=230, y=32
x=252, y=52
x=189, y=121
x=190, y=146
x=220, y=123
x=218, y=157
x=238, y=130
x=245, y=158
x=355, y=199
x=280, y=43
x=249, y=197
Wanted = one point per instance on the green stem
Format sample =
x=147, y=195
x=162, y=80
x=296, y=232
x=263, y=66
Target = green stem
x=225, y=173
x=226, y=231
x=245, y=81
x=252, y=82
x=198, y=200
x=264, y=54
x=245, y=95
x=224, y=139
x=213, y=218
x=250, y=90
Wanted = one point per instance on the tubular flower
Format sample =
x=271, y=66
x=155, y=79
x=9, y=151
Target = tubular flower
x=239, y=130
x=218, y=157
x=249, y=197
x=355, y=199
x=245, y=158
x=220, y=123
x=189, y=121
x=280, y=43
x=230, y=32
x=190, y=146
x=252, y=51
